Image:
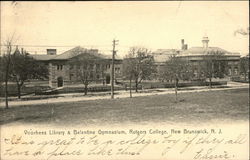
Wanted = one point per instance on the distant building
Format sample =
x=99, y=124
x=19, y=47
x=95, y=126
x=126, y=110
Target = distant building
x=61, y=73
x=160, y=58
x=163, y=55
x=195, y=55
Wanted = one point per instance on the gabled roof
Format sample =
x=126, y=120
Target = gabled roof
x=72, y=53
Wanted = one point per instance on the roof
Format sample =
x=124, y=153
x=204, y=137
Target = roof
x=72, y=53
x=42, y=57
x=162, y=55
x=199, y=51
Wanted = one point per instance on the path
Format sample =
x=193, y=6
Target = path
x=121, y=94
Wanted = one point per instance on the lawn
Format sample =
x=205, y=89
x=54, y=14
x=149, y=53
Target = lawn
x=228, y=105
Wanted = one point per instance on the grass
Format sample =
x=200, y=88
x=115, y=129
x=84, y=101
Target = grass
x=193, y=107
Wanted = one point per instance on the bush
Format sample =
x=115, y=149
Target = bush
x=25, y=90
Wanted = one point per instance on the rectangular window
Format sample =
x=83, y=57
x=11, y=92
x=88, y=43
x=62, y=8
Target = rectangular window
x=59, y=67
x=71, y=76
x=91, y=66
x=97, y=66
x=117, y=70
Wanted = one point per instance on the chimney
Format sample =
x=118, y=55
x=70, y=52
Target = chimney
x=51, y=51
x=182, y=44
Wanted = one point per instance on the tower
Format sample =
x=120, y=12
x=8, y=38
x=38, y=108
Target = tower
x=182, y=44
x=205, y=41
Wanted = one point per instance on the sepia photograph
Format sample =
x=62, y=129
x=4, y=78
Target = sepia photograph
x=124, y=80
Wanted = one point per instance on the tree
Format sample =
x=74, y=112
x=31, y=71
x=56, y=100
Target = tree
x=141, y=65
x=177, y=69
x=24, y=67
x=85, y=68
x=213, y=66
x=244, y=66
x=6, y=68
x=128, y=71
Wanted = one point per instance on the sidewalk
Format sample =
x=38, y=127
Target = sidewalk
x=75, y=97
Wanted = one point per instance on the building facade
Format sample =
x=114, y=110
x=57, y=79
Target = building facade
x=197, y=56
x=64, y=69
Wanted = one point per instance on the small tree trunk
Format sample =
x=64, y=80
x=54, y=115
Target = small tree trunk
x=6, y=94
x=176, y=89
x=85, y=89
x=130, y=88
x=245, y=76
x=19, y=91
x=136, y=86
x=210, y=82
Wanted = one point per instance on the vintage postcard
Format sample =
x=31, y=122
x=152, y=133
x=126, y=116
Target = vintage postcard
x=124, y=80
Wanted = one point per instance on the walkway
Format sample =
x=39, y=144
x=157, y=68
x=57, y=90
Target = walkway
x=75, y=97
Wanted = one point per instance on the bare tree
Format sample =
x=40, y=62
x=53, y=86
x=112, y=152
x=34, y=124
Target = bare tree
x=242, y=31
x=177, y=69
x=6, y=67
x=85, y=68
x=24, y=67
x=141, y=65
x=213, y=66
x=128, y=71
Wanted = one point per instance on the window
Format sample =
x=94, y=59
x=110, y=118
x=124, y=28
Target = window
x=59, y=67
x=97, y=66
x=91, y=75
x=236, y=70
x=230, y=71
x=71, y=76
x=117, y=70
x=91, y=66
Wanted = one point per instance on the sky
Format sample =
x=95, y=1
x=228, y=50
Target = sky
x=37, y=26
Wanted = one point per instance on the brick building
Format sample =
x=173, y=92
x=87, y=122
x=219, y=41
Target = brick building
x=64, y=73
x=196, y=55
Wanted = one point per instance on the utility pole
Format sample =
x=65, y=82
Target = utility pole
x=115, y=42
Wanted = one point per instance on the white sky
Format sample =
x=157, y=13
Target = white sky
x=154, y=25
